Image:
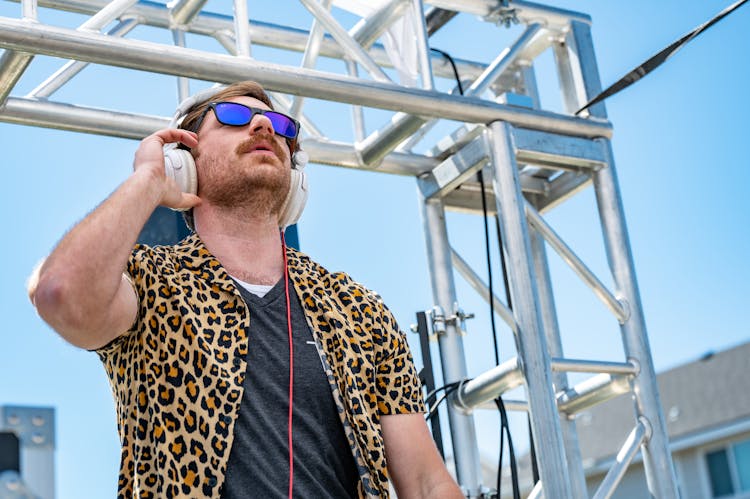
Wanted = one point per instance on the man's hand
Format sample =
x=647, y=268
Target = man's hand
x=149, y=161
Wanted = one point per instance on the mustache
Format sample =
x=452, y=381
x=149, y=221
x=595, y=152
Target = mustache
x=252, y=142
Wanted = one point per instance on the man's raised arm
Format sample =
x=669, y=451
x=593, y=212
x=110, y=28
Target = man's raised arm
x=80, y=289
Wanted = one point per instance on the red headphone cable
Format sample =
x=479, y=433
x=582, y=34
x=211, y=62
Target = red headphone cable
x=291, y=366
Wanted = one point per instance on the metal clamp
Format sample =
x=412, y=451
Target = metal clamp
x=504, y=14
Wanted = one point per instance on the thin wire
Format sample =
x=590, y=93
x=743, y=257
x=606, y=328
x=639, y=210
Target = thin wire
x=434, y=408
x=434, y=392
x=290, y=442
x=453, y=65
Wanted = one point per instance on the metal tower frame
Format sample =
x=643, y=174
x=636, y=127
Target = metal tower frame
x=536, y=158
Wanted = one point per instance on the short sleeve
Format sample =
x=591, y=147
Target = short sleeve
x=397, y=382
x=139, y=270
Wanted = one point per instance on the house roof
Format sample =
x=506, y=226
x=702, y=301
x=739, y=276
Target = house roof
x=701, y=396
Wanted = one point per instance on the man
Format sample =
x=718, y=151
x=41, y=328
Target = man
x=201, y=340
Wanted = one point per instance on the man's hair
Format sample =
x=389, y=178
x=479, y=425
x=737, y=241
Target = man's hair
x=240, y=89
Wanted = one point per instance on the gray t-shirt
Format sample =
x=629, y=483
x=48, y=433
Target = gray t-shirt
x=259, y=459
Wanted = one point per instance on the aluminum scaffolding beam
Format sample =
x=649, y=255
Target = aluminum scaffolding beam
x=536, y=158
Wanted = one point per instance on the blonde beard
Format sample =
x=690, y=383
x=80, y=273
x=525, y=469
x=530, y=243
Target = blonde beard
x=260, y=189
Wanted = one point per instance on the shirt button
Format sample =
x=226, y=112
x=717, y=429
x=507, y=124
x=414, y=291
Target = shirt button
x=237, y=361
x=227, y=419
x=212, y=481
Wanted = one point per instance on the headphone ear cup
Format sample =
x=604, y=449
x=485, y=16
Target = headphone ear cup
x=179, y=165
x=295, y=200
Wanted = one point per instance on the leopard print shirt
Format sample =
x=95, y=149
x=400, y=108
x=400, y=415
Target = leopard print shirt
x=177, y=376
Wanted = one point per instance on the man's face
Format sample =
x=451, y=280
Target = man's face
x=242, y=165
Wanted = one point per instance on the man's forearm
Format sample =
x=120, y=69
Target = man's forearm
x=78, y=281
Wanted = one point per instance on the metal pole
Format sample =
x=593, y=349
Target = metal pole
x=657, y=460
x=352, y=48
x=112, y=11
x=358, y=116
x=592, y=391
x=29, y=10
x=489, y=385
x=483, y=290
x=624, y=458
x=548, y=314
x=267, y=34
x=369, y=29
x=72, y=68
x=423, y=49
x=184, y=11
x=575, y=263
x=241, y=28
x=453, y=361
x=183, y=84
x=592, y=366
x=531, y=343
x=311, y=54
x=582, y=81
x=402, y=125
x=153, y=57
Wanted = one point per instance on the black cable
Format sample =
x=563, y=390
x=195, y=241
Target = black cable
x=532, y=456
x=434, y=407
x=505, y=429
x=434, y=392
x=657, y=60
x=453, y=65
x=504, y=426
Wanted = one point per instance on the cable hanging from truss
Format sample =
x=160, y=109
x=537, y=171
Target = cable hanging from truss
x=658, y=59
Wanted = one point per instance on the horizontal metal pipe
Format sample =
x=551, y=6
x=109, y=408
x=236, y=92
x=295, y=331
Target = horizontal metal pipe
x=510, y=405
x=624, y=458
x=267, y=34
x=489, y=385
x=80, y=119
x=591, y=392
x=72, y=68
x=178, y=61
x=575, y=263
x=593, y=366
x=136, y=126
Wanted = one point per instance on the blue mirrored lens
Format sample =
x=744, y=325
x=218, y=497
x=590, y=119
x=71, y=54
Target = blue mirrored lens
x=282, y=124
x=229, y=113
x=235, y=114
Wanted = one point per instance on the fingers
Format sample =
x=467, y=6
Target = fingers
x=151, y=149
x=172, y=135
x=181, y=201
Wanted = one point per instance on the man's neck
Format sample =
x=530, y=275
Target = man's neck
x=249, y=248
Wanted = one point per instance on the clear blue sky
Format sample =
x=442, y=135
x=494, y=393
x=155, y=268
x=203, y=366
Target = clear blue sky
x=681, y=157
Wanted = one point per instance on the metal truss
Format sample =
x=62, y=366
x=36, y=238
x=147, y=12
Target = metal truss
x=536, y=158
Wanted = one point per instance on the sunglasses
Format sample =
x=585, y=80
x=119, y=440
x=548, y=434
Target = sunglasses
x=236, y=114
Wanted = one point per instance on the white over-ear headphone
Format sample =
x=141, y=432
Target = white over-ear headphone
x=179, y=165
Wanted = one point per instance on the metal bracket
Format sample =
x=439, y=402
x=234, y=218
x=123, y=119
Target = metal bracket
x=437, y=321
x=503, y=14
x=457, y=318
